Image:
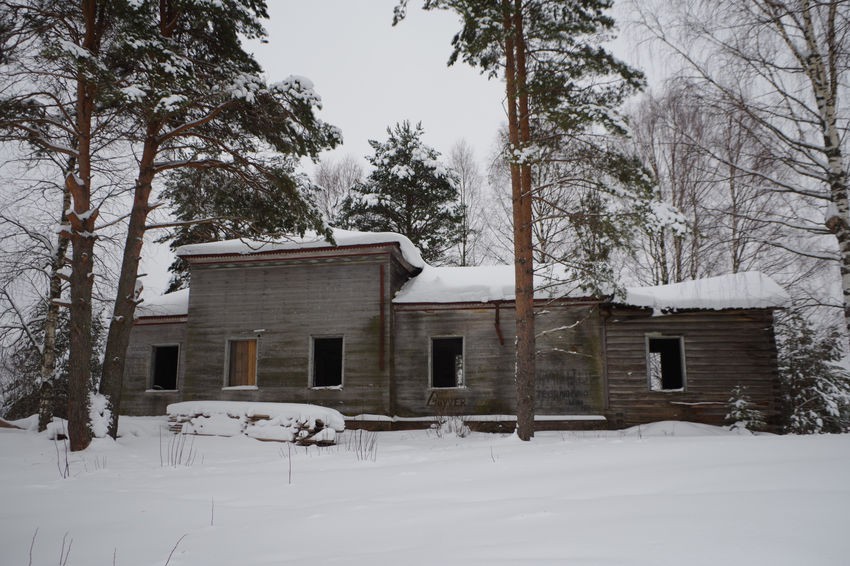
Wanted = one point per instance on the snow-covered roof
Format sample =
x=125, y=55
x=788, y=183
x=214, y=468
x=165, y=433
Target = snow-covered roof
x=310, y=240
x=483, y=283
x=748, y=290
x=496, y=283
x=459, y=285
x=170, y=304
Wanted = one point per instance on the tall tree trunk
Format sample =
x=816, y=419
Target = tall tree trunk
x=126, y=299
x=823, y=73
x=82, y=276
x=519, y=136
x=82, y=221
x=51, y=320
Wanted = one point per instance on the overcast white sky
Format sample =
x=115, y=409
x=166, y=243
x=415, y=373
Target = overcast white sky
x=371, y=75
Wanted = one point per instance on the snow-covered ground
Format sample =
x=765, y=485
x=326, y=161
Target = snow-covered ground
x=670, y=493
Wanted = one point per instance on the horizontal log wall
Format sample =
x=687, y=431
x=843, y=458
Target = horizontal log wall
x=721, y=349
x=283, y=305
x=569, y=366
x=136, y=396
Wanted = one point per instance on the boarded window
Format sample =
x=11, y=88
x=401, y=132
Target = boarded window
x=665, y=364
x=165, y=360
x=243, y=363
x=327, y=362
x=447, y=362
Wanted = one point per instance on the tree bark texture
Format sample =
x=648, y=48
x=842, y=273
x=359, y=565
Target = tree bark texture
x=126, y=299
x=519, y=136
x=82, y=221
x=51, y=319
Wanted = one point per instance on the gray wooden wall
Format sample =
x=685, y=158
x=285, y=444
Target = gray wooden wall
x=569, y=365
x=137, y=398
x=722, y=349
x=589, y=361
x=283, y=305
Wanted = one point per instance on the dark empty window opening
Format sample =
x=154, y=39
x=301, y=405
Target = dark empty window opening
x=447, y=362
x=327, y=362
x=165, y=360
x=665, y=364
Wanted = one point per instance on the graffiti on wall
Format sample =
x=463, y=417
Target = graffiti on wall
x=563, y=390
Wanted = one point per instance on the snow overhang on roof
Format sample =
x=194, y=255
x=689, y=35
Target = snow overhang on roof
x=749, y=290
x=483, y=284
x=171, y=304
x=459, y=285
x=310, y=241
x=752, y=290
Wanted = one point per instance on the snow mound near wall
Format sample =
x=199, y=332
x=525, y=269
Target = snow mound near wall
x=263, y=421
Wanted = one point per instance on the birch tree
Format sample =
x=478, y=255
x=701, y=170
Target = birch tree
x=335, y=179
x=54, y=77
x=783, y=64
x=470, y=194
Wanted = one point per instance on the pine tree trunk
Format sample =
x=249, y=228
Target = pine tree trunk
x=518, y=133
x=82, y=275
x=82, y=221
x=126, y=299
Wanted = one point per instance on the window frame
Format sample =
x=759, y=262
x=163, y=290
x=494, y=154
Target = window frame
x=682, y=361
x=431, y=361
x=311, y=366
x=152, y=369
x=227, y=348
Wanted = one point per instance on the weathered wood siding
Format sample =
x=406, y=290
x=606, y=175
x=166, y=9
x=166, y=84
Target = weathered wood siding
x=721, y=350
x=136, y=397
x=569, y=365
x=283, y=304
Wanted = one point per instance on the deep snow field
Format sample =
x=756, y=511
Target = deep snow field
x=668, y=493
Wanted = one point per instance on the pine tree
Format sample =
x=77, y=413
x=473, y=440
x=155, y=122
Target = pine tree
x=214, y=205
x=198, y=100
x=410, y=191
x=171, y=80
x=743, y=414
x=557, y=80
x=815, y=389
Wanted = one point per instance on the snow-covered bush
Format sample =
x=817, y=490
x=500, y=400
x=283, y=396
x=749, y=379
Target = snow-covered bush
x=815, y=388
x=743, y=413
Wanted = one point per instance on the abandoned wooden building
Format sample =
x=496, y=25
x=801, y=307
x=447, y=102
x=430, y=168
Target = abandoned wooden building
x=367, y=328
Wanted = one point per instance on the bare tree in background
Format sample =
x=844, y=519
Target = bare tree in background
x=470, y=186
x=783, y=65
x=34, y=253
x=335, y=180
x=667, y=133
